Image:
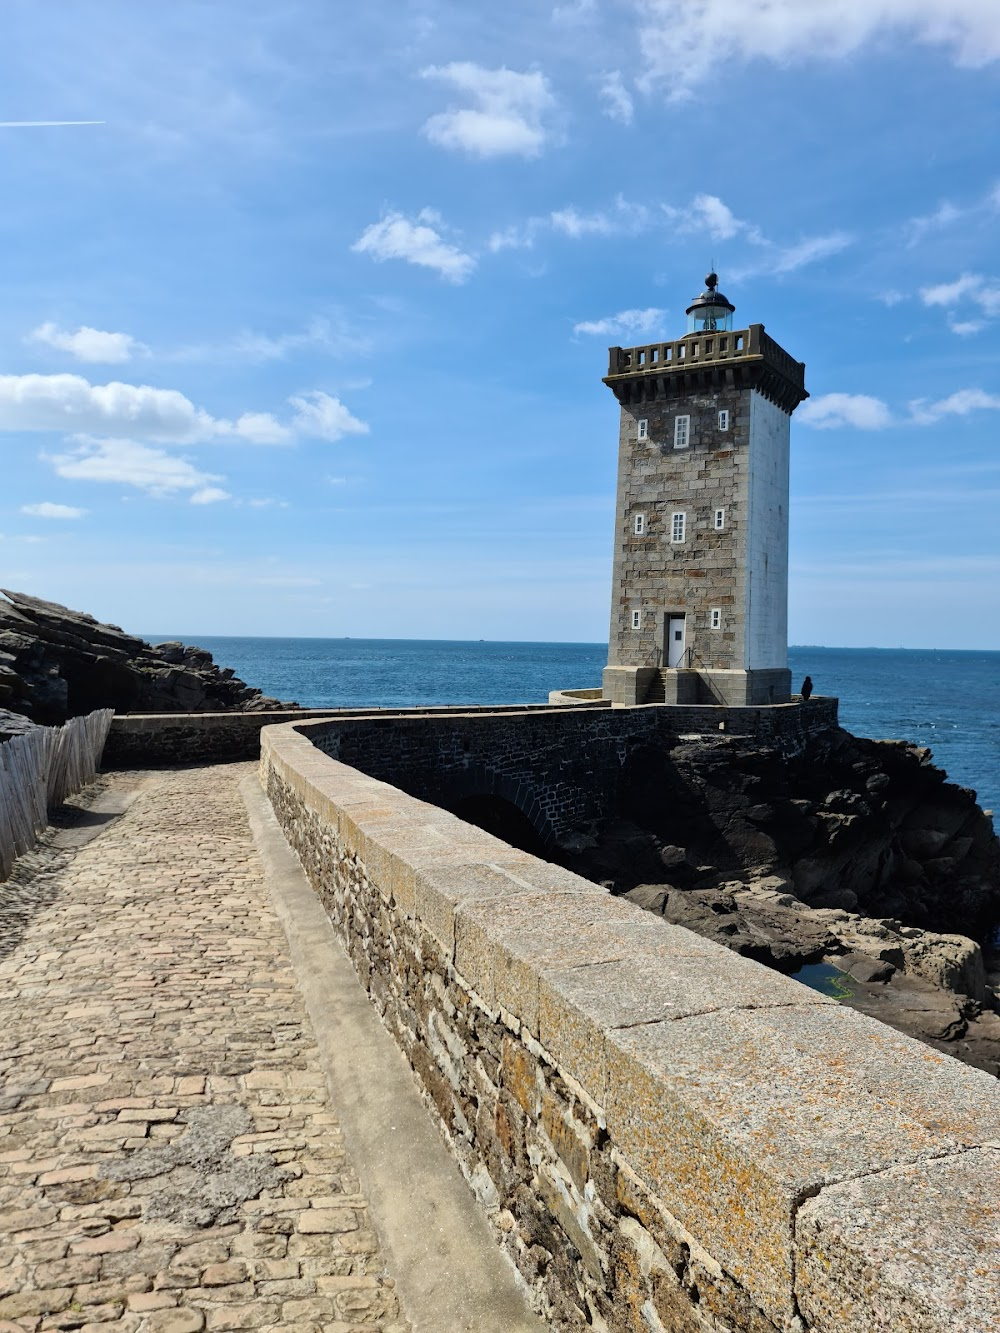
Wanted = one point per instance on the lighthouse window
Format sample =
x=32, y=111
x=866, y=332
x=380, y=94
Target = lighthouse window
x=640, y=525
x=643, y=432
x=724, y=420
x=716, y=617
x=682, y=432
x=637, y=620
x=720, y=519
x=678, y=523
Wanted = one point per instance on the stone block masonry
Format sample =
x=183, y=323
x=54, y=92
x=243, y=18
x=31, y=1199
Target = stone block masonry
x=662, y=1135
x=147, y=739
x=558, y=766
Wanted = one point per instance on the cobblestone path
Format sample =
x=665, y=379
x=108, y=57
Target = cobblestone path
x=169, y=1159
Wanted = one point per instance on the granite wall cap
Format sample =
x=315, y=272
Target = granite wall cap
x=915, y=1249
x=579, y=1004
x=732, y=1122
x=504, y=950
x=443, y=886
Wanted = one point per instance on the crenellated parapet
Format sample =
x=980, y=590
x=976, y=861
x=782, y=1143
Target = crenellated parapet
x=734, y=359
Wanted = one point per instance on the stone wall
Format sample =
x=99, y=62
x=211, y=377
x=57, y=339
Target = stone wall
x=656, y=576
x=138, y=740
x=766, y=610
x=558, y=766
x=663, y=1135
x=144, y=739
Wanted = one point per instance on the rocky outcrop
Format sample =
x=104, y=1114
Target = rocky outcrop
x=871, y=827
x=56, y=663
x=930, y=985
x=14, y=724
x=854, y=855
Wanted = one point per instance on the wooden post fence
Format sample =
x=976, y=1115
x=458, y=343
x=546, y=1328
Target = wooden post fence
x=38, y=771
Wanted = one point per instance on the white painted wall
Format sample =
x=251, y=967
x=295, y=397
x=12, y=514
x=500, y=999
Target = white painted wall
x=766, y=639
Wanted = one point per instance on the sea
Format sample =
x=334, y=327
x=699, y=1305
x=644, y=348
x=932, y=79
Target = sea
x=946, y=700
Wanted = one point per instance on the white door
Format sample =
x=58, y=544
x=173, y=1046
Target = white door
x=675, y=641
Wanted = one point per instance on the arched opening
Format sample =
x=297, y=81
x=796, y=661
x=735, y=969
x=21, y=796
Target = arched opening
x=503, y=819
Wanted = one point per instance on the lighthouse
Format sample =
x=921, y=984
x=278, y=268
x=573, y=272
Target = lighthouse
x=699, y=606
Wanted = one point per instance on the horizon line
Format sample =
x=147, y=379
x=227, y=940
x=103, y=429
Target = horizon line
x=576, y=643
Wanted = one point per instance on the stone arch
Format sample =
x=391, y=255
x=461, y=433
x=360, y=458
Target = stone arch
x=496, y=815
x=496, y=802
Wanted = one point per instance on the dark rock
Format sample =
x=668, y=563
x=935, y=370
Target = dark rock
x=56, y=663
x=852, y=851
x=862, y=967
x=650, y=897
x=923, y=851
x=14, y=724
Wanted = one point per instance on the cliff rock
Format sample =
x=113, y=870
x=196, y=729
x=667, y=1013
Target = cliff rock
x=56, y=663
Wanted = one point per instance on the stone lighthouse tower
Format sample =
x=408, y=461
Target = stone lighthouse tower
x=699, y=605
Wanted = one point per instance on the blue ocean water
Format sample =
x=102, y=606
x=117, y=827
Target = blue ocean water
x=949, y=701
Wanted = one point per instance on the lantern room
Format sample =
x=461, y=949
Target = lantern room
x=710, y=312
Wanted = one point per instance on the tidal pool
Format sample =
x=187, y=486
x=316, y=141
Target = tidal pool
x=825, y=978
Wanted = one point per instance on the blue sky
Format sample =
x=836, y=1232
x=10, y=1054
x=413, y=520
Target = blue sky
x=307, y=335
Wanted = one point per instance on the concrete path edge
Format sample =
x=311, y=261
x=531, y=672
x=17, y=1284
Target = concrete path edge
x=450, y=1274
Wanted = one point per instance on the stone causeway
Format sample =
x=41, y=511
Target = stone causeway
x=198, y=1130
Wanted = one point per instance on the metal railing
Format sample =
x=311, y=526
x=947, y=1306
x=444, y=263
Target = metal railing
x=38, y=771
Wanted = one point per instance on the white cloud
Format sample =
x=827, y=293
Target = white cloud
x=417, y=242
x=790, y=258
x=971, y=290
x=943, y=216
x=319, y=335
x=861, y=412
x=707, y=212
x=960, y=404
x=947, y=293
x=618, y=104
x=626, y=323
x=576, y=12
x=512, y=238
x=87, y=344
x=684, y=44
x=46, y=509
x=261, y=347
x=71, y=403
x=209, y=495
x=776, y=260
x=575, y=224
x=322, y=417
x=856, y=410
x=128, y=463
x=626, y=220
x=44, y=124
x=259, y=428
x=506, y=117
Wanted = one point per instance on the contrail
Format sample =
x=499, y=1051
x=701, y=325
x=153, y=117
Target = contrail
x=35, y=124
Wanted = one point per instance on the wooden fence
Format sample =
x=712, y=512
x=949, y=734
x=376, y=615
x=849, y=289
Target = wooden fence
x=38, y=771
